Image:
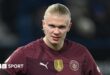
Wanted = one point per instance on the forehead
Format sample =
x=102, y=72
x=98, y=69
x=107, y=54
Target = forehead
x=57, y=19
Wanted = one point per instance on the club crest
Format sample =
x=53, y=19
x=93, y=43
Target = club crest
x=74, y=65
x=58, y=65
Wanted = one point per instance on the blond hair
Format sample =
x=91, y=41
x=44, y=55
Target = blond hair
x=58, y=9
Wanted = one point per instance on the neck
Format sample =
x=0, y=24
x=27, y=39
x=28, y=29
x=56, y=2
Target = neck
x=55, y=47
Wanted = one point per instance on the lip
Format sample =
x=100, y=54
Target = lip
x=55, y=38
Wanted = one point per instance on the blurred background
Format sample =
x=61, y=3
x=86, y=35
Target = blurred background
x=20, y=23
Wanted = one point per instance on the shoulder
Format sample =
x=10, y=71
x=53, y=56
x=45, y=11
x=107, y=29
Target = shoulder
x=31, y=46
x=29, y=50
x=77, y=47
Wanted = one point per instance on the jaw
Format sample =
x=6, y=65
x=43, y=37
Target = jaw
x=56, y=45
x=50, y=41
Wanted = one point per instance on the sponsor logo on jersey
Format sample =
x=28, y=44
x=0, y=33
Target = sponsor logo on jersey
x=44, y=64
x=98, y=69
x=58, y=65
x=74, y=65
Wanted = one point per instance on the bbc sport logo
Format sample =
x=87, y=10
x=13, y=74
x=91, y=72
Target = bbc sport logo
x=7, y=66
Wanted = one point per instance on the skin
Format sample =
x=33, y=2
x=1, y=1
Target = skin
x=55, y=29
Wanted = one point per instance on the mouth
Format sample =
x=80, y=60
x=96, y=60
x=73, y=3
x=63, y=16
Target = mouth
x=55, y=38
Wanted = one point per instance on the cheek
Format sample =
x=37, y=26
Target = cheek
x=64, y=31
x=47, y=31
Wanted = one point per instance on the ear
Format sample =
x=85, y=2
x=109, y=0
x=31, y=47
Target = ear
x=43, y=23
x=69, y=26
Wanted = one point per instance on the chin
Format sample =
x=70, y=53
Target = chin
x=55, y=42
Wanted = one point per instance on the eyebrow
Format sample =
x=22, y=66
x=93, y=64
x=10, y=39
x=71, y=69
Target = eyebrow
x=55, y=25
x=60, y=26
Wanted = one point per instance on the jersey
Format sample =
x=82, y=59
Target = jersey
x=39, y=59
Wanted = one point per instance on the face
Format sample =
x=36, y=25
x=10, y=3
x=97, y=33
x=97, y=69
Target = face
x=55, y=28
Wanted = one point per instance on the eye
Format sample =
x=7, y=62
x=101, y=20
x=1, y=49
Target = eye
x=51, y=26
x=62, y=27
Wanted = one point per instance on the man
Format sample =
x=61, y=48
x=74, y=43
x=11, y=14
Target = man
x=52, y=54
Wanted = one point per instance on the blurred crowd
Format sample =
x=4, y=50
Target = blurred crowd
x=20, y=23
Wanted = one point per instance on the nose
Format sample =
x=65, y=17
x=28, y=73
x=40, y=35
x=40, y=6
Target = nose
x=56, y=31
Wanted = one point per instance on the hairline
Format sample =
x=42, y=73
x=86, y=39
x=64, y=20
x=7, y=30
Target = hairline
x=54, y=9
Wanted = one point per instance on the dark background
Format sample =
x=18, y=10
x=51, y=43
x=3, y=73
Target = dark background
x=20, y=23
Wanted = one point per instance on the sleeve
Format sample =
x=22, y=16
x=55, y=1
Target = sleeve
x=15, y=64
x=89, y=65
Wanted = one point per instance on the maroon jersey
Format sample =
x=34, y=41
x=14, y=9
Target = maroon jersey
x=38, y=59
